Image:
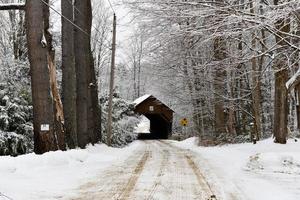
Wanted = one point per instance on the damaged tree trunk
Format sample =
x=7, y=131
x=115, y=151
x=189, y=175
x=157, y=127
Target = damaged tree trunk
x=47, y=109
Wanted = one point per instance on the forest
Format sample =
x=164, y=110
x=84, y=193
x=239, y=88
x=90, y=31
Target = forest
x=231, y=67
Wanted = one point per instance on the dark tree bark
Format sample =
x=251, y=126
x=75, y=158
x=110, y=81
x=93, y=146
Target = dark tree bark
x=297, y=87
x=297, y=95
x=281, y=77
x=57, y=104
x=88, y=121
x=219, y=79
x=69, y=75
x=281, y=107
x=81, y=65
x=94, y=107
x=47, y=112
x=256, y=87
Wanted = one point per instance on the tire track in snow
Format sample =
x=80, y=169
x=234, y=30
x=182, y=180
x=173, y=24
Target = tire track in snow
x=132, y=181
x=200, y=177
x=163, y=165
x=203, y=183
x=158, y=170
x=237, y=195
x=108, y=184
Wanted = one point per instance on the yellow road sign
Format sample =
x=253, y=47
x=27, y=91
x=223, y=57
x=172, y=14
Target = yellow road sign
x=184, y=122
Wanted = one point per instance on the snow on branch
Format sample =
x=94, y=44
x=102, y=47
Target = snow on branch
x=12, y=6
x=293, y=81
x=4, y=196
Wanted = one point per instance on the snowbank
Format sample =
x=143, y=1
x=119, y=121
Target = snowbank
x=54, y=174
x=255, y=172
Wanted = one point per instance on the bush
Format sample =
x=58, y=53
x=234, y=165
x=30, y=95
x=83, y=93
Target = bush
x=13, y=144
x=124, y=121
x=16, y=129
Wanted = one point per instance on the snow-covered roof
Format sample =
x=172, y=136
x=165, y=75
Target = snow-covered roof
x=141, y=99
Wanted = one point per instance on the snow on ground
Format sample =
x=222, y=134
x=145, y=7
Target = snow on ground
x=256, y=172
x=55, y=174
x=236, y=172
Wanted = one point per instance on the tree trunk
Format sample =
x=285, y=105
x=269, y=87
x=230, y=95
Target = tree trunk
x=256, y=87
x=57, y=104
x=139, y=65
x=95, y=110
x=81, y=66
x=69, y=75
x=256, y=97
x=94, y=123
x=231, y=124
x=220, y=126
x=281, y=77
x=46, y=110
x=219, y=79
x=297, y=87
x=88, y=121
x=297, y=95
x=281, y=106
x=135, y=93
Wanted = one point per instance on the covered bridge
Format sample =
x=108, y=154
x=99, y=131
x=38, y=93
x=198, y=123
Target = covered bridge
x=159, y=115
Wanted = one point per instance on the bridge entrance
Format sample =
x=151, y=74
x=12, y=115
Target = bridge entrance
x=159, y=115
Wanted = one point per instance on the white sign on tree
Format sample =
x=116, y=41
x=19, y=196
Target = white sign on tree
x=45, y=127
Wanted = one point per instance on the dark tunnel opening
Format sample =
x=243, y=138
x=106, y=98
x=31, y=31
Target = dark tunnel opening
x=159, y=128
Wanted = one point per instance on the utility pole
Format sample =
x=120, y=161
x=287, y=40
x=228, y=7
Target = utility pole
x=111, y=85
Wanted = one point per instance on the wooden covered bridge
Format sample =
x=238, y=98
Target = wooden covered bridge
x=159, y=115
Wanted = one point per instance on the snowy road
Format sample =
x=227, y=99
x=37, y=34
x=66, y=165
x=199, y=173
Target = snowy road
x=157, y=170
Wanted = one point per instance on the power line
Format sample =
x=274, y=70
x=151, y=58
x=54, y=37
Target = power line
x=111, y=6
x=76, y=26
x=65, y=17
x=97, y=30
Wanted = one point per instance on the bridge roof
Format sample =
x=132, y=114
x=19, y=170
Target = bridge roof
x=141, y=99
x=142, y=103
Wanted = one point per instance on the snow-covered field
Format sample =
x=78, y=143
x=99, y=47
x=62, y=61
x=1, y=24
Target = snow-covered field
x=264, y=171
x=56, y=174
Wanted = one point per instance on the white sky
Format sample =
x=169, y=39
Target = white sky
x=124, y=29
x=124, y=26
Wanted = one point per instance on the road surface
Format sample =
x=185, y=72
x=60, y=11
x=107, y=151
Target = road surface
x=156, y=171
